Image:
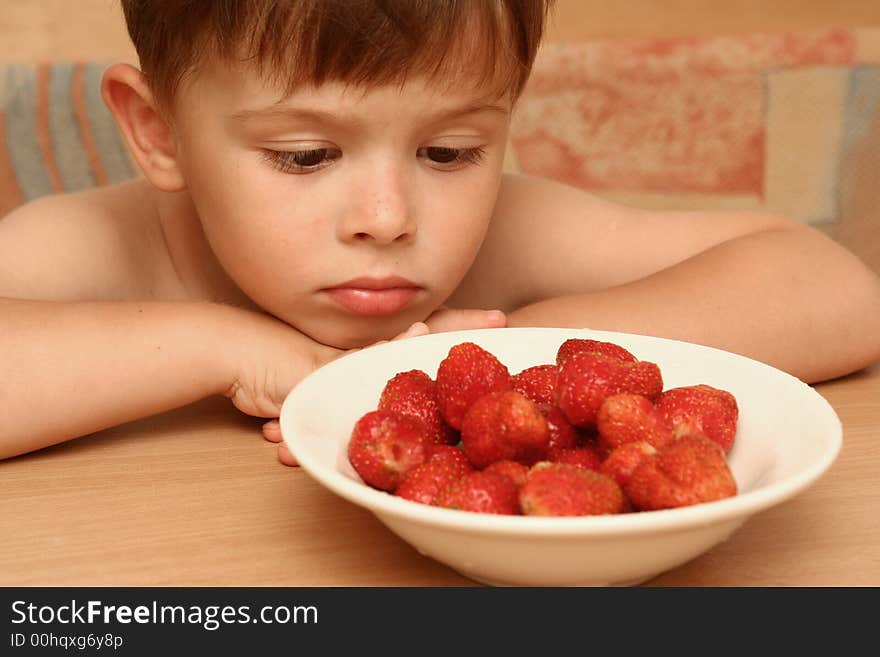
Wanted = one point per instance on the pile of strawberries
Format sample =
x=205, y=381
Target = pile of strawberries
x=593, y=433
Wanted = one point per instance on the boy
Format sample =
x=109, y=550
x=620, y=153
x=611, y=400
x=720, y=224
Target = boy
x=322, y=175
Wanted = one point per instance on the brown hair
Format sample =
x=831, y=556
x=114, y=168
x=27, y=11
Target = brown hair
x=360, y=42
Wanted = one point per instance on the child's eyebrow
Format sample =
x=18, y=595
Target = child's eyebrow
x=288, y=113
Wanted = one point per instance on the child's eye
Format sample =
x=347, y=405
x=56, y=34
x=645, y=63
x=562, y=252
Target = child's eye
x=446, y=158
x=306, y=161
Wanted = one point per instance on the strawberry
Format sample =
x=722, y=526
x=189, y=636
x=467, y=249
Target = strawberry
x=582, y=457
x=414, y=393
x=384, y=446
x=504, y=426
x=585, y=380
x=623, y=460
x=578, y=345
x=642, y=378
x=701, y=409
x=516, y=471
x=424, y=482
x=481, y=492
x=467, y=373
x=536, y=383
x=627, y=418
x=562, y=433
x=449, y=454
x=689, y=471
x=559, y=489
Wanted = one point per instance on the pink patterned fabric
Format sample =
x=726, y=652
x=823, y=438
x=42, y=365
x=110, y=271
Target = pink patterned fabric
x=661, y=115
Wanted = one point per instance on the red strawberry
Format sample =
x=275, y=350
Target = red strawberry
x=642, y=378
x=585, y=380
x=559, y=489
x=536, y=383
x=449, y=454
x=424, y=482
x=504, y=426
x=628, y=418
x=481, y=492
x=701, y=409
x=562, y=433
x=578, y=345
x=414, y=393
x=512, y=469
x=688, y=471
x=467, y=373
x=582, y=457
x=384, y=446
x=623, y=460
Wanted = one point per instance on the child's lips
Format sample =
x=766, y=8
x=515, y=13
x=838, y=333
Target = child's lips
x=374, y=296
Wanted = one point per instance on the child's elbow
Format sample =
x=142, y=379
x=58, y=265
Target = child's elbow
x=846, y=321
x=874, y=314
x=866, y=292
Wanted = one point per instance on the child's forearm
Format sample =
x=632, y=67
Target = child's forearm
x=790, y=298
x=70, y=369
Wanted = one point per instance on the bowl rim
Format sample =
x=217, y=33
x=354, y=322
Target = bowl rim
x=742, y=505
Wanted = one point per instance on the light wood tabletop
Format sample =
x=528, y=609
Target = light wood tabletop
x=196, y=497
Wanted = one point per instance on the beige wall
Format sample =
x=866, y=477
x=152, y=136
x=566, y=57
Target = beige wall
x=62, y=30
x=578, y=19
x=93, y=29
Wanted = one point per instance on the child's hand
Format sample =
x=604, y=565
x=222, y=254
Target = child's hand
x=269, y=358
x=448, y=319
x=440, y=321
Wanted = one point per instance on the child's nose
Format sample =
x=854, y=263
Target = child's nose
x=379, y=211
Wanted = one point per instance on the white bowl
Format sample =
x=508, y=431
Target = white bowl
x=787, y=436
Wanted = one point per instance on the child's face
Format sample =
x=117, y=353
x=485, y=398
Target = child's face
x=347, y=213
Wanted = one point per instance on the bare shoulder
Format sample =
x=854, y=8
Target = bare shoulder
x=548, y=239
x=529, y=240
x=100, y=244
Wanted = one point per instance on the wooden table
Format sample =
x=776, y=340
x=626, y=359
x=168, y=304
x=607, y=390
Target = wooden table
x=197, y=497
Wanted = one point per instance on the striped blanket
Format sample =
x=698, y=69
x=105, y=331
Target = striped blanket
x=56, y=134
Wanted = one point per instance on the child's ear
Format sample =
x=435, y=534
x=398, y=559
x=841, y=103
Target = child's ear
x=147, y=133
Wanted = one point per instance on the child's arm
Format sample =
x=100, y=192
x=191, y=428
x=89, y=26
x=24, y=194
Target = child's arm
x=751, y=283
x=74, y=368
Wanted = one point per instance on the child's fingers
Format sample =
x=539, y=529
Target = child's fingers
x=272, y=431
x=285, y=456
x=419, y=328
x=463, y=319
